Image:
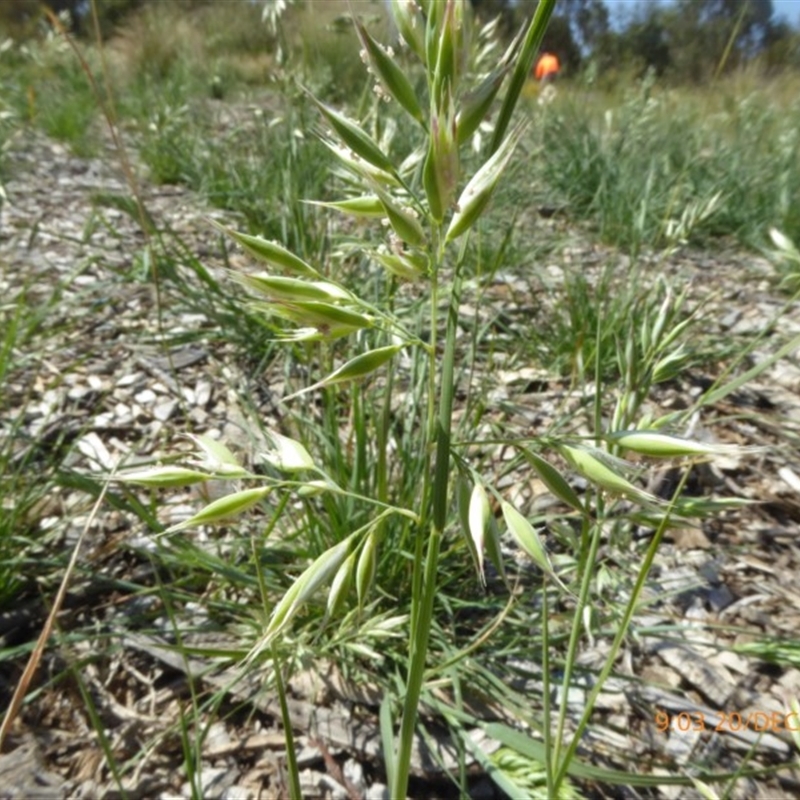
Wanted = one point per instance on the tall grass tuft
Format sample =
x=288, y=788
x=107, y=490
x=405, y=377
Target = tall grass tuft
x=381, y=492
x=667, y=167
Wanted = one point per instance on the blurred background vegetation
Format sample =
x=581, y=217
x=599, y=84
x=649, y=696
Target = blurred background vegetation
x=674, y=121
x=684, y=40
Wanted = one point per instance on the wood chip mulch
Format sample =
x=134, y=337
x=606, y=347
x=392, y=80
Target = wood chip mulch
x=93, y=381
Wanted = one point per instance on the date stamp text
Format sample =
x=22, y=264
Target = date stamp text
x=728, y=721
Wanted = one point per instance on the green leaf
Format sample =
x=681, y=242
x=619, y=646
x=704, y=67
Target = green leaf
x=717, y=393
x=387, y=737
x=531, y=748
x=522, y=68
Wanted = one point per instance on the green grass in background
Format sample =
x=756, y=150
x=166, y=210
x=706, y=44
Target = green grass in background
x=723, y=160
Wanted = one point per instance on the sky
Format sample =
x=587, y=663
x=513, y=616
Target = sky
x=788, y=9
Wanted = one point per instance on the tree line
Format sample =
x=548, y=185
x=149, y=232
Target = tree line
x=685, y=40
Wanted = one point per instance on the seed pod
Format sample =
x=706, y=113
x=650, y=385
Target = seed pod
x=785, y=245
x=360, y=142
x=660, y=445
x=434, y=13
x=479, y=516
x=365, y=206
x=270, y=252
x=321, y=571
x=323, y=316
x=668, y=367
x=408, y=267
x=554, y=481
x=436, y=201
x=603, y=476
x=478, y=191
x=283, y=288
x=223, y=509
x=391, y=75
x=317, y=487
x=526, y=537
x=491, y=534
x=358, y=367
x=451, y=51
x=218, y=458
x=410, y=23
x=340, y=586
x=367, y=565
x=402, y=220
x=288, y=455
x=361, y=168
x=440, y=171
x=476, y=104
x=164, y=477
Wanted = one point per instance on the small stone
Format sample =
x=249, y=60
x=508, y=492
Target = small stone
x=198, y=416
x=145, y=397
x=217, y=735
x=378, y=791
x=318, y=784
x=353, y=773
x=214, y=782
x=203, y=393
x=125, y=380
x=163, y=411
x=238, y=793
x=78, y=392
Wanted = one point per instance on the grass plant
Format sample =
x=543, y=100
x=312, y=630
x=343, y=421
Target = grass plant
x=378, y=463
x=373, y=533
